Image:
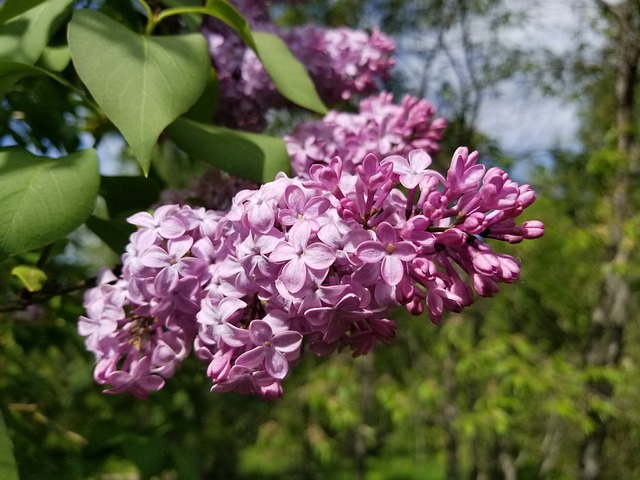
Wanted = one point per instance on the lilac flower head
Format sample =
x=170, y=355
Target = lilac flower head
x=320, y=259
x=381, y=127
x=342, y=62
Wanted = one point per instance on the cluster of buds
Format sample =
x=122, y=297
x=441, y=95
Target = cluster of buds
x=318, y=261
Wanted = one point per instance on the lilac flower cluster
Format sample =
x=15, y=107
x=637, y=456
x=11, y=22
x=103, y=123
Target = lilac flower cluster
x=342, y=62
x=323, y=259
x=381, y=127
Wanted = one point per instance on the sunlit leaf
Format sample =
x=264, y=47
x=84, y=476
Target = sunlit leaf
x=32, y=278
x=43, y=199
x=23, y=38
x=142, y=83
x=245, y=155
x=288, y=74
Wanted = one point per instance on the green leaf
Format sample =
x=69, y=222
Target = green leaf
x=223, y=10
x=23, y=38
x=142, y=83
x=32, y=278
x=288, y=74
x=43, y=199
x=246, y=155
x=125, y=195
x=55, y=59
x=11, y=72
x=204, y=109
x=13, y=8
x=115, y=233
x=8, y=466
x=192, y=21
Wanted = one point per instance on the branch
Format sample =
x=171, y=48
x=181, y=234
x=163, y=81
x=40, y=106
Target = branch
x=26, y=298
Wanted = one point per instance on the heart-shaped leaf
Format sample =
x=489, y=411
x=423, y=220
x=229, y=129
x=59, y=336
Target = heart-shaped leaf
x=287, y=73
x=23, y=38
x=142, y=83
x=43, y=199
x=246, y=155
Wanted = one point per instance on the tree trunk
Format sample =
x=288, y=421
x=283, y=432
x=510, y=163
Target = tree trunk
x=610, y=314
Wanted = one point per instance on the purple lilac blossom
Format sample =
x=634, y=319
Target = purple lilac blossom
x=381, y=127
x=320, y=260
x=342, y=63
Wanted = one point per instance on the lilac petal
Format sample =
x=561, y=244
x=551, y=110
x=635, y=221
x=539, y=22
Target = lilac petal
x=405, y=251
x=319, y=256
x=260, y=332
x=295, y=198
x=385, y=233
x=411, y=180
x=166, y=281
x=228, y=306
x=330, y=235
x=119, y=378
x=288, y=217
x=150, y=383
x=317, y=206
x=335, y=329
x=419, y=160
x=191, y=266
x=277, y=365
x=283, y=252
x=234, y=336
x=155, y=257
x=142, y=219
x=319, y=316
x=178, y=247
x=171, y=227
x=299, y=235
x=392, y=270
x=261, y=217
x=253, y=358
x=287, y=342
x=349, y=303
x=266, y=243
x=370, y=252
x=294, y=275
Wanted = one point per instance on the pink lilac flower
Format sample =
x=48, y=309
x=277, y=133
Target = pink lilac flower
x=322, y=260
x=380, y=127
x=342, y=63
